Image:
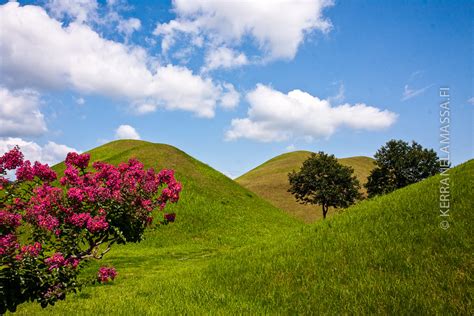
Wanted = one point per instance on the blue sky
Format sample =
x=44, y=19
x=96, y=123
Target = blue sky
x=234, y=83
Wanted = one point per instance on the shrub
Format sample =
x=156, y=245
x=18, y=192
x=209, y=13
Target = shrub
x=50, y=229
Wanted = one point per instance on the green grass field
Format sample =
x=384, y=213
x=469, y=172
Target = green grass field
x=232, y=252
x=270, y=182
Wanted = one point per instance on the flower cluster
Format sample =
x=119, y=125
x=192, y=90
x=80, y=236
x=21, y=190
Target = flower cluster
x=56, y=261
x=9, y=220
x=92, y=208
x=170, y=217
x=11, y=160
x=106, y=274
x=8, y=244
x=29, y=250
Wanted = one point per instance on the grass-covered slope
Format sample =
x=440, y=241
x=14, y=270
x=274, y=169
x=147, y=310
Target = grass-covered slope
x=270, y=181
x=214, y=216
x=210, y=204
x=386, y=255
x=231, y=253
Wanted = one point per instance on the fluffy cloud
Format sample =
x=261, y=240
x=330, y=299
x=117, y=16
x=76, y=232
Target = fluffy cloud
x=51, y=153
x=128, y=26
x=20, y=114
x=277, y=26
x=275, y=116
x=231, y=97
x=39, y=51
x=126, y=132
x=79, y=10
x=224, y=57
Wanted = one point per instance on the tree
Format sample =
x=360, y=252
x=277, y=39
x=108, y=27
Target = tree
x=50, y=230
x=322, y=180
x=400, y=164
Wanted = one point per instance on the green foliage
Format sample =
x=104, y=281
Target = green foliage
x=400, y=164
x=322, y=180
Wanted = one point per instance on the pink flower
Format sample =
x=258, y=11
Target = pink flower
x=80, y=220
x=48, y=222
x=106, y=274
x=72, y=262
x=165, y=176
x=44, y=172
x=75, y=159
x=11, y=159
x=75, y=194
x=29, y=250
x=25, y=172
x=55, y=261
x=7, y=244
x=97, y=223
x=170, y=217
x=9, y=220
x=147, y=205
x=71, y=176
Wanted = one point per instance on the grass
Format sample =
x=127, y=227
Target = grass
x=231, y=252
x=270, y=181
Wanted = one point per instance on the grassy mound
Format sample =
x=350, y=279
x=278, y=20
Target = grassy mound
x=231, y=252
x=386, y=255
x=270, y=181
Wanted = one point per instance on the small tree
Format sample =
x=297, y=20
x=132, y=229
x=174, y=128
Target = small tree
x=399, y=164
x=49, y=230
x=322, y=180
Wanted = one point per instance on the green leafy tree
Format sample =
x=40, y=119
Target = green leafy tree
x=322, y=180
x=400, y=164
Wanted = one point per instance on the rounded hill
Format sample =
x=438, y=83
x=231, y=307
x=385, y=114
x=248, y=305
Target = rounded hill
x=270, y=181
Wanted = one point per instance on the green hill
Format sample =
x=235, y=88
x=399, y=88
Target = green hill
x=270, y=181
x=230, y=252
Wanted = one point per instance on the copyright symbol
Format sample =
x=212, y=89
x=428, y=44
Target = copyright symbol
x=444, y=225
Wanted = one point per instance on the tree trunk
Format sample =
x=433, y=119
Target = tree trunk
x=325, y=211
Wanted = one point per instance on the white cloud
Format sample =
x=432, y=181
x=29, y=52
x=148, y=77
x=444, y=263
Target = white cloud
x=126, y=132
x=471, y=101
x=51, y=153
x=80, y=101
x=339, y=97
x=290, y=147
x=198, y=95
x=79, y=10
x=231, y=97
x=224, y=57
x=277, y=26
x=411, y=93
x=128, y=26
x=38, y=51
x=20, y=114
x=275, y=116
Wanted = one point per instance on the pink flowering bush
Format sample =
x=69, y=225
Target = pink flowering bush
x=106, y=274
x=49, y=229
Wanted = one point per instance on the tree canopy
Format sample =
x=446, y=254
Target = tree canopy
x=400, y=164
x=322, y=180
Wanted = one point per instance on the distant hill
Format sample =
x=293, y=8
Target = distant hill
x=270, y=181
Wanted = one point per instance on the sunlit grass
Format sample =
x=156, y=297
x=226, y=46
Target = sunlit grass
x=230, y=252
